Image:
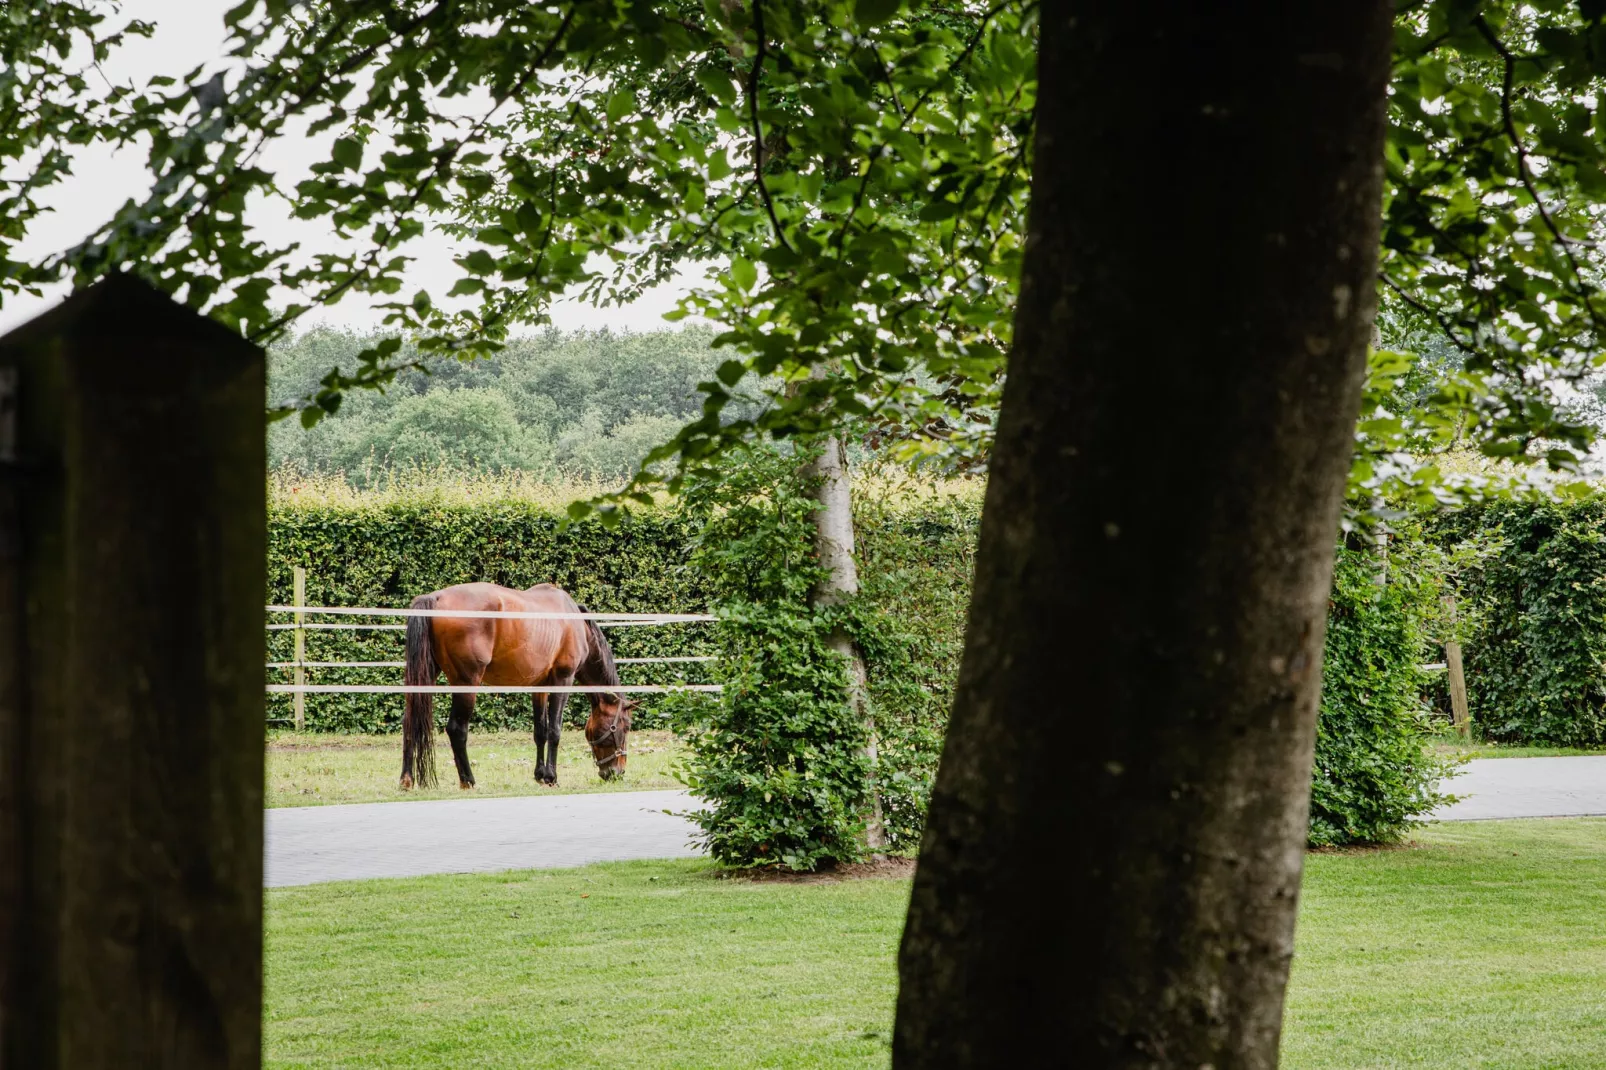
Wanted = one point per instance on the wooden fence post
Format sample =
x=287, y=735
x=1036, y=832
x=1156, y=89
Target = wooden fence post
x=301, y=646
x=1457, y=677
x=132, y=549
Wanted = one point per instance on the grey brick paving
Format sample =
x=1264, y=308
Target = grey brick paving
x=311, y=844
x=1493, y=788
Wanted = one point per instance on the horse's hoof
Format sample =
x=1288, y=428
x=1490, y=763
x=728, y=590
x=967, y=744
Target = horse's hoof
x=407, y=783
x=466, y=785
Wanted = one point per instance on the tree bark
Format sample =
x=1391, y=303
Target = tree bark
x=833, y=545
x=1112, y=856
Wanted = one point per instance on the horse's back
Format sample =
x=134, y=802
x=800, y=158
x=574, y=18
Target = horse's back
x=502, y=650
x=476, y=596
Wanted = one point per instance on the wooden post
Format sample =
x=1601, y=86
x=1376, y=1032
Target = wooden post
x=301, y=646
x=132, y=543
x=1458, y=680
x=1380, y=540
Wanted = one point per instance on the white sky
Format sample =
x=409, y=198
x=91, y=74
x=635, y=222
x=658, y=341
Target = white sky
x=189, y=33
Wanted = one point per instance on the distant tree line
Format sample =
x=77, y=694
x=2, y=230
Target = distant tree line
x=586, y=405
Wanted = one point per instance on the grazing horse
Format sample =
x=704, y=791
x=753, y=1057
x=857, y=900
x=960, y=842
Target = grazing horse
x=520, y=652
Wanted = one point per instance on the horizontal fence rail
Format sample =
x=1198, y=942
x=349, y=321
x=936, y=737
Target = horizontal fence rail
x=403, y=664
x=483, y=689
x=337, y=664
x=300, y=688
x=494, y=614
x=402, y=627
x=337, y=627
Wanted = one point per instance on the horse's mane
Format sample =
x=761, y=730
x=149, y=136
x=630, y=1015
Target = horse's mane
x=599, y=667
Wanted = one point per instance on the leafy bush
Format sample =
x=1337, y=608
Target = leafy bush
x=781, y=758
x=1374, y=774
x=1536, y=663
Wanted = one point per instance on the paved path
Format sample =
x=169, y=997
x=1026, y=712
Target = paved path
x=310, y=844
x=1492, y=788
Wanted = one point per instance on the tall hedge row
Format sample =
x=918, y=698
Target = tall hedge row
x=385, y=554
x=1372, y=774
x=1536, y=656
x=915, y=569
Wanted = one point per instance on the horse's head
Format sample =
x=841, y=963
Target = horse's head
x=606, y=730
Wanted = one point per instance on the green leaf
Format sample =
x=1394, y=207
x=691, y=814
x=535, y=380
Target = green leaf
x=621, y=104
x=874, y=12
x=347, y=152
x=478, y=262
x=743, y=273
x=718, y=84
x=731, y=371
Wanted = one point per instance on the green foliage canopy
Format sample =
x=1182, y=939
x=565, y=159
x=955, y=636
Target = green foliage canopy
x=861, y=166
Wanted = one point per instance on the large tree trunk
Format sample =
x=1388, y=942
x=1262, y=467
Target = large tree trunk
x=1112, y=857
x=833, y=544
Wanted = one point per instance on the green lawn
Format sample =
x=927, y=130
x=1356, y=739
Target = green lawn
x=309, y=768
x=1483, y=947
x=627, y=965
x=1486, y=948
x=1458, y=749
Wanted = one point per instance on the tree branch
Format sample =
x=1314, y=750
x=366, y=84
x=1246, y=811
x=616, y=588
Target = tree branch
x=1431, y=313
x=1506, y=89
x=446, y=156
x=758, y=129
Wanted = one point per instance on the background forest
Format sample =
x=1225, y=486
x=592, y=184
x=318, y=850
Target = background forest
x=579, y=406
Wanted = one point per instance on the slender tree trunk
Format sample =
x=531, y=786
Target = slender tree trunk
x=833, y=543
x=1112, y=857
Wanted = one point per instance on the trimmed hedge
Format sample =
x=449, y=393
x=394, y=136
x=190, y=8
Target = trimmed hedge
x=1374, y=774
x=385, y=554
x=1536, y=659
x=915, y=568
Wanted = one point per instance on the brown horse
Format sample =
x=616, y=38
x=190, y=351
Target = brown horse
x=509, y=652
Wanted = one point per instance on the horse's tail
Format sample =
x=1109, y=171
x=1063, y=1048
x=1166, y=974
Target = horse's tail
x=418, y=722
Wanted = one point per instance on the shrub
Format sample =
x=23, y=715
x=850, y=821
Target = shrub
x=1374, y=774
x=917, y=547
x=781, y=757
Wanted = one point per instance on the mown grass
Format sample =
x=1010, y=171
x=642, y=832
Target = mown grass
x=1456, y=748
x=1484, y=947
x=1481, y=946
x=629, y=965
x=312, y=769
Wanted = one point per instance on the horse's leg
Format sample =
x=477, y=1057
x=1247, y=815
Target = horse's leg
x=538, y=705
x=554, y=722
x=457, y=732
